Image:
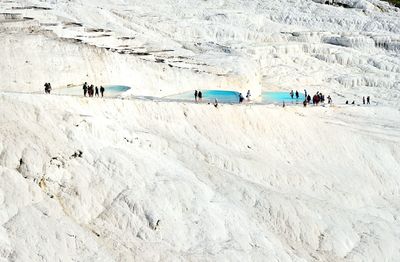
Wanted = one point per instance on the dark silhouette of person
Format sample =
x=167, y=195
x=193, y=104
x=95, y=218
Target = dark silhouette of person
x=96, y=91
x=297, y=94
x=195, y=95
x=241, y=98
x=216, y=103
x=200, y=95
x=85, y=89
x=368, y=100
x=363, y=100
x=46, y=88
x=101, y=91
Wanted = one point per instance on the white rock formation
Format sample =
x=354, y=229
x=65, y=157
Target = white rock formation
x=142, y=180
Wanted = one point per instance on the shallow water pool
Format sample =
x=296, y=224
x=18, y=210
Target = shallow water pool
x=279, y=97
x=223, y=96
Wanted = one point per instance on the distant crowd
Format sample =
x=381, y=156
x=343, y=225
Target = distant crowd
x=88, y=90
x=320, y=98
x=94, y=91
x=91, y=90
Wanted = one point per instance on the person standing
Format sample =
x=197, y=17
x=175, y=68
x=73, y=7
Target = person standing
x=102, y=91
x=248, y=95
x=241, y=98
x=305, y=93
x=200, y=95
x=368, y=100
x=96, y=91
x=195, y=95
x=297, y=94
x=216, y=103
x=363, y=100
x=85, y=89
x=91, y=90
x=291, y=94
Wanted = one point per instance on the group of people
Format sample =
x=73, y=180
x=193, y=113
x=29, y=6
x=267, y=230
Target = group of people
x=47, y=88
x=316, y=99
x=292, y=94
x=91, y=90
x=367, y=101
x=241, y=98
x=198, y=96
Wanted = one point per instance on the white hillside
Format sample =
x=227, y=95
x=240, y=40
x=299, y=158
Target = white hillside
x=87, y=179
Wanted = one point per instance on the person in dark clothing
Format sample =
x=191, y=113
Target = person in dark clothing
x=248, y=95
x=305, y=103
x=308, y=99
x=347, y=102
x=102, y=91
x=241, y=98
x=85, y=89
x=363, y=100
x=297, y=94
x=96, y=91
x=46, y=88
x=368, y=100
x=291, y=94
x=305, y=93
x=195, y=95
x=91, y=90
x=353, y=103
x=329, y=99
x=200, y=95
x=216, y=103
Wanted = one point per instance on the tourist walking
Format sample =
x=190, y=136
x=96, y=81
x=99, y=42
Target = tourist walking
x=96, y=91
x=363, y=100
x=305, y=93
x=297, y=94
x=291, y=94
x=195, y=95
x=368, y=100
x=101, y=91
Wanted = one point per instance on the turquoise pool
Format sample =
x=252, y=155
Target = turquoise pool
x=279, y=97
x=223, y=96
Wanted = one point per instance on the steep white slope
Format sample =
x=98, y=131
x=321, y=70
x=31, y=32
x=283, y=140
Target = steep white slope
x=168, y=181
x=122, y=180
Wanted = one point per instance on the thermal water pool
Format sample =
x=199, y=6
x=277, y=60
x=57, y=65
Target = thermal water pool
x=223, y=96
x=280, y=97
